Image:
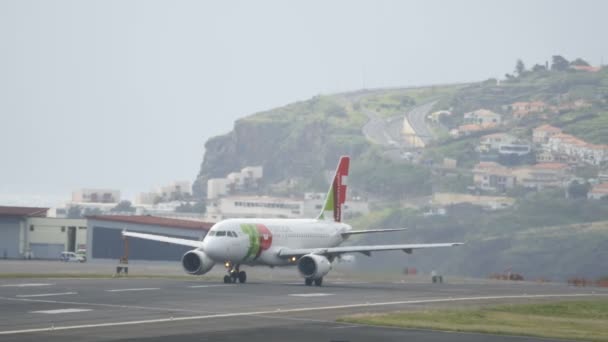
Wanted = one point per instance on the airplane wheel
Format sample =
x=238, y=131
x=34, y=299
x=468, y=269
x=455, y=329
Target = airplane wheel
x=227, y=279
x=319, y=282
x=242, y=277
x=308, y=281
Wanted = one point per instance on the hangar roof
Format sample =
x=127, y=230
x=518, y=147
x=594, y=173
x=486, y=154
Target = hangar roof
x=23, y=211
x=154, y=220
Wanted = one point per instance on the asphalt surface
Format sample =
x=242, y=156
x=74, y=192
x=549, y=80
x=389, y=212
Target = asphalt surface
x=188, y=310
x=417, y=119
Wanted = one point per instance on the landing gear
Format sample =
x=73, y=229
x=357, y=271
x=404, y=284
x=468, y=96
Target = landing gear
x=309, y=281
x=242, y=277
x=234, y=274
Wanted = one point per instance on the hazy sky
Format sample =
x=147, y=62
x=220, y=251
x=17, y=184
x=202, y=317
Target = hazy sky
x=123, y=94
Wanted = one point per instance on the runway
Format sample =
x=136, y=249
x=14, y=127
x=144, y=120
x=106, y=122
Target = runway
x=159, y=309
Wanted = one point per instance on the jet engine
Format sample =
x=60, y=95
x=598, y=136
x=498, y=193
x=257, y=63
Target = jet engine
x=197, y=262
x=313, y=266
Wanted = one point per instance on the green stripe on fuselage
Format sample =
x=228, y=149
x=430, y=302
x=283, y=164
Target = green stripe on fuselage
x=254, y=240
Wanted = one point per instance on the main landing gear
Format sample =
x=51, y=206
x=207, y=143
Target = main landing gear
x=309, y=281
x=234, y=274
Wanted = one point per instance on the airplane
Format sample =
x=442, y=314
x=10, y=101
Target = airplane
x=309, y=244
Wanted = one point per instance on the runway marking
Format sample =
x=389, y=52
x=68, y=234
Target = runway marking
x=60, y=311
x=319, y=308
x=201, y=286
x=25, y=285
x=151, y=308
x=311, y=294
x=46, y=294
x=140, y=289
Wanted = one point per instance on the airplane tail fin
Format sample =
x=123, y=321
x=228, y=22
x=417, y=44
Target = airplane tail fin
x=336, y=196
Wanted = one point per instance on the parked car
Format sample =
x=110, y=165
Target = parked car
x=71, y=256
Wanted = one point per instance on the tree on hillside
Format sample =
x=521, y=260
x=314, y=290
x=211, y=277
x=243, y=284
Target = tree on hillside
x=520, y=68
x=74, y=212
x=538, y=68
x=123, y=206
x=559, y=63
x=580, y=62
x=578, y=190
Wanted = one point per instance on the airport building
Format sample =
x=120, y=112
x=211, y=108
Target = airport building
x=14, y=230
x=277, y=207
x=26, y=233
x=105, y=241
x=47, y=237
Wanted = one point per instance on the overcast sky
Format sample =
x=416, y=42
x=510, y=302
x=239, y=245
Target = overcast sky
x=124, y=94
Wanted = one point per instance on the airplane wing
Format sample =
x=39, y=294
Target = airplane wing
x=370, y=231
x=176, y=241
x=367, y=250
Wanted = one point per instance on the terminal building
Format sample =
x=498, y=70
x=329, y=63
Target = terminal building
x=26, y=233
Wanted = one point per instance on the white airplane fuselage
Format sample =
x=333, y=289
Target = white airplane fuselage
x=258, y=241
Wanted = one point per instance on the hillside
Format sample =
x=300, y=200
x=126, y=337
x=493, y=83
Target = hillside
x=396, y=170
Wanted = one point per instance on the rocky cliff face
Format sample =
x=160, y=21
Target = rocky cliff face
x=300, y=140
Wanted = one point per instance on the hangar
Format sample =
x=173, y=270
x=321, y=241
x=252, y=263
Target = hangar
x=14, y=232
x=105, y=241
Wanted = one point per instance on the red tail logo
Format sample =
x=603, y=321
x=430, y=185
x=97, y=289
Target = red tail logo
x=339, y=187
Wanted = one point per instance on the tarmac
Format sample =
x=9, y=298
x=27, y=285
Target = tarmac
x=264, y=309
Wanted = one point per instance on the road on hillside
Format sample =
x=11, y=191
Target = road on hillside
x=417, y=119
x=388, y=132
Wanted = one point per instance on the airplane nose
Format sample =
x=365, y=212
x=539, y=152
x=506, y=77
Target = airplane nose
x=213, y=250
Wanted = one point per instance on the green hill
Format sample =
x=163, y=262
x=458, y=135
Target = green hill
x=302, y=140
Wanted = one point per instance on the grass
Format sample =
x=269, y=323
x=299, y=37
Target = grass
x=576, y=320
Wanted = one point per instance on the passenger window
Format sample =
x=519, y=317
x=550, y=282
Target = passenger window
x=221, y=233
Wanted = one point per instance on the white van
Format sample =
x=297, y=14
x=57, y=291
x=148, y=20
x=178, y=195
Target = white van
x=71, y=256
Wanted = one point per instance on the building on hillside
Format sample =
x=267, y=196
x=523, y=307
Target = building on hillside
x=492, y=142
x=544, y=156
x=522, y=109
x=468, y=129
x=491, y=176
x=486, y=202
x=105, y=240
x=14, y=230
x=482, y=117
x=174, y=191
x=96, y=196
x=570, y=149
x=541, y=134
x=245, y=180
x=603, y=176
x=587, y=68
x=542, y=175
x=516, y=148
x=600, y=191
x=217, y=187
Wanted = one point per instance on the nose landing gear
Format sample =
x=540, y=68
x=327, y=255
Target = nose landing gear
x=234, y=274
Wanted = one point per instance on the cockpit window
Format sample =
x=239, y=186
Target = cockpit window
x=211, y=233
x=221, y=233
x=231, y=234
